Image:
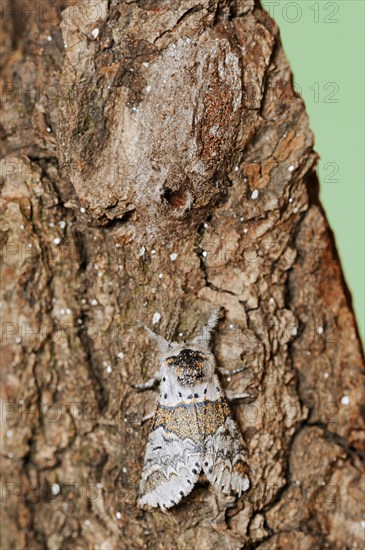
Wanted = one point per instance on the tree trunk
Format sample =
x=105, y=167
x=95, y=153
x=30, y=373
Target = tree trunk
x=157, y=163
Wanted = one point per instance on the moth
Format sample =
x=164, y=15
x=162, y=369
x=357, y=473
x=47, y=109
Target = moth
x=193, y=431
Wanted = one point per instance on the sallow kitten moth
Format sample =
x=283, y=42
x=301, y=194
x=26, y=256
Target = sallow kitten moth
x=193, y=430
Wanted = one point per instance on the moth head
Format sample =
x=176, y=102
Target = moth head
x=190, y=364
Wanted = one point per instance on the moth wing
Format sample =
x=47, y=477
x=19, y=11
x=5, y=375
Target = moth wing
x=225, y=458
x=173, y=459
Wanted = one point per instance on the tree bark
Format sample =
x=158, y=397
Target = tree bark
x=157, y=163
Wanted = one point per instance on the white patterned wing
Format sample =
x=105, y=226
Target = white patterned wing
x=173, y=459
x=225, y=460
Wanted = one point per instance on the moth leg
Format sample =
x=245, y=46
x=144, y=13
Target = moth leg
x=148, y=385
x=147, y=417
x=233, y=397
x=231, y=372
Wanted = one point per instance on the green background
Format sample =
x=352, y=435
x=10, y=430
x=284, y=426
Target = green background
x=324, y=42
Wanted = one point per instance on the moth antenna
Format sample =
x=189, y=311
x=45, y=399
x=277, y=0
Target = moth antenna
x=206, y=334
x=163, y=345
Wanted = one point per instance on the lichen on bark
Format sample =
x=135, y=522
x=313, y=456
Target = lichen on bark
x=156, y=159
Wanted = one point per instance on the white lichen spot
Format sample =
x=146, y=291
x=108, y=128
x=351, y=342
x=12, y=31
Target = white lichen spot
x=121, y=355
x=326, y=375
x=204, y=253
x=109, y=369
x=271, y=301
x=345, y=400
x=245, y=230
x=362, y=523
x=18, y=340
x=87, y=522
x=145, y=64
x=118, y=515
x=9, y=433
x=148, y=89
x=236, y=168
x=291, y=168
x=82, y=210
x=94, y=302
x=297, y=482
x=95, y=33
x=62, y=224
x=55, y=488
x=290, y=199
x=124, y=470
x=120, y=267
x=99, y=485
x=295, y=209
x=156, y=318
x=206, y=225
x=319, y=330
x=173, y=256
x=181, y=334
x=153, y=252
x=142, y=251
x=231, y=326
x=294, y=331
x=62, y=311
x=30, y=245
x=254, y=194
x=49, y=130
x=160, y=275
x=83, y=301
x=49, y=38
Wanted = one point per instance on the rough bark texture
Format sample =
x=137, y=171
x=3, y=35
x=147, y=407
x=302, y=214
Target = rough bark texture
x=133, y=132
